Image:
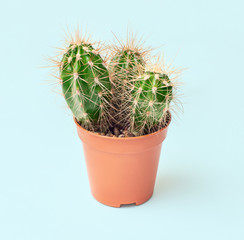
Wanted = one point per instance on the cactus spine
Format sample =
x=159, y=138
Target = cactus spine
x=85, y=84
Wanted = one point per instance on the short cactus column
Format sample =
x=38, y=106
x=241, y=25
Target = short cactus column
x=151, y=97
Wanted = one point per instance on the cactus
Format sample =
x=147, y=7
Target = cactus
x=130, y=95
x=85, y=84
x=127, y=61
x=151, y=96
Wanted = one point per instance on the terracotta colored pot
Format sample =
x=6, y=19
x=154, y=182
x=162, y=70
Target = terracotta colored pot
x=121, y=170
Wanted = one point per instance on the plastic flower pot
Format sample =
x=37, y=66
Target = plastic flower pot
x=122, y=170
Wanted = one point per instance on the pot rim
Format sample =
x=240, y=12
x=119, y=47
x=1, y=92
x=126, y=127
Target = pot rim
x=124, y=138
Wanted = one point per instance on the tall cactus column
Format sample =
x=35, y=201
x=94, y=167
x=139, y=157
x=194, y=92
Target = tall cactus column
x=85, y=84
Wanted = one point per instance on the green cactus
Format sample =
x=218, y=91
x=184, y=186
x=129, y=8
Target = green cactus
x=130, y=95
x=85, y=83
x=151, y=97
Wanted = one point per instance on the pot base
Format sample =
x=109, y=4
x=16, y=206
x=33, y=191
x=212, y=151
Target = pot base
x=118, y=205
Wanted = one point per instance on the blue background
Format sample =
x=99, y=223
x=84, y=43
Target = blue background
x=199, y=192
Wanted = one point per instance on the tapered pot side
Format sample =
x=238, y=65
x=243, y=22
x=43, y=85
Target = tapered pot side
x=122, y=170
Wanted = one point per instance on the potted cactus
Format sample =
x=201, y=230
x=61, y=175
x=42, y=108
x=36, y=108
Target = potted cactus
x=121, y=108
